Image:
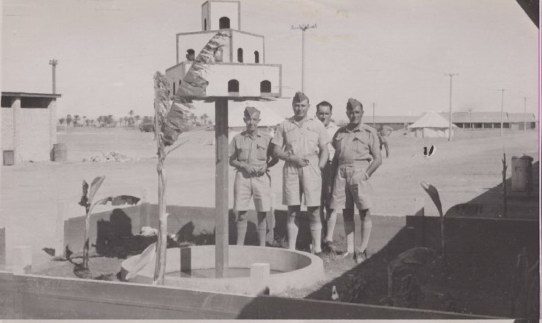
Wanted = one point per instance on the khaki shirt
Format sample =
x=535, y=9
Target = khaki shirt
x=331, y=130
x=359, y=144
x=303, y=139
x=251, y=149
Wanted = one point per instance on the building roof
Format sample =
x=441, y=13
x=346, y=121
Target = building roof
x=31, y=95
x=430, y=119
x=390, y=119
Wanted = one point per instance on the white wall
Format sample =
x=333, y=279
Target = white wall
x=249, y=77
x=249, y=43
x=197, y=41
x=220, y=9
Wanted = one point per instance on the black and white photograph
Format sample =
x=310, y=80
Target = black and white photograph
x=284, y=159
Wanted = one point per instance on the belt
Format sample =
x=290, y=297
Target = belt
x=354, y=163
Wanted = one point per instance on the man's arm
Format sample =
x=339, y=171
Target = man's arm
x=272, y=160
x=324, y=156
x=377, y=156
x=287, y=156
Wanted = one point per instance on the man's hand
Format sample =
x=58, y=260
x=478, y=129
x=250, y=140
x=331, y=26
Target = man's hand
x=298, y=161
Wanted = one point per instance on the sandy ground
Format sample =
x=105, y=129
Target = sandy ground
x=33, y=193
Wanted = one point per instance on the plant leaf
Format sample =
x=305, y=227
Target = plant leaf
x=119, y=200
x=84, y=195
x=94, y=186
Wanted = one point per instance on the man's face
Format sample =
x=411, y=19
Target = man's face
x=252, y=122
x=323, y=113
x=355, y=114
x=300, y=109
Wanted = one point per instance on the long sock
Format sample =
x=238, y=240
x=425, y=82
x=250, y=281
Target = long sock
x=366, y=227
x=270, y=220
x=292, y=229
x=316, y=229
x=262, y=228
x=241, y=227
x=349, y=229
x=331, y=221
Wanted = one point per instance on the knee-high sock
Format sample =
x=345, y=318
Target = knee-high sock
x=316, y=229
x=349, y=229
x=270, y=220
x=366, y=227
x=262, y=228
x=331, y=221
x=291, y=227
x=241, y=227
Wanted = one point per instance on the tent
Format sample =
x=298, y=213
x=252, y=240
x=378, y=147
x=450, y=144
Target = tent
x=431, y=124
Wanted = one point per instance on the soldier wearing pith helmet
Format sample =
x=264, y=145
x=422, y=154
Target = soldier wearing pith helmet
x=301, y=142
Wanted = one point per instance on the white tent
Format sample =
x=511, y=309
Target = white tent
x=431, y=124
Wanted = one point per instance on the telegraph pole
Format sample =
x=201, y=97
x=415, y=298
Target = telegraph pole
x=374, y=124
x=303, y=28
x=525, y=114
x=451, y=75
x=53, y=62
x=502, y=111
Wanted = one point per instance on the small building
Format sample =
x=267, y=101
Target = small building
x=28, y=126
x=239, y=68
x=431, y=124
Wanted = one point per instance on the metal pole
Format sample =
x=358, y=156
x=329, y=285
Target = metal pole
x=525, y=114
x=303, y=60
x=374, y=124
x=53, y=63
x=451, y=75
x=502, y=112
x=221, y=188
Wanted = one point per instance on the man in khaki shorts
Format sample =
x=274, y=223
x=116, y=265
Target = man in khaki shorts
x=302, y=143
x=251, y=154
x=357, y=156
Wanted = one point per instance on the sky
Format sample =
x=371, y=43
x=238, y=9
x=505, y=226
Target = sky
x=394, y=53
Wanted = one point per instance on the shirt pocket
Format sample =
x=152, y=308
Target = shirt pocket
x=243, y=153
x=361, y=146
x=261, y=152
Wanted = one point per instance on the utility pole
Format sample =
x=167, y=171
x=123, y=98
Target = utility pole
x=374, y=124
x=53, y=62
x=502, y=111
x=525, y=114
x=303, y=28
x=451, y=75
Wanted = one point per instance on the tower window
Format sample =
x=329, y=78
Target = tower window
x=205, y=24
x=265, y=86
x=256, y=57
x=173, y=88
x=240, y=55
x=233, y=86
x=224, y=23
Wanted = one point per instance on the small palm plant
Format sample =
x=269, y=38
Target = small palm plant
x=87, y=198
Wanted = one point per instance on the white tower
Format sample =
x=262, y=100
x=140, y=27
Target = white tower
x=217, y=15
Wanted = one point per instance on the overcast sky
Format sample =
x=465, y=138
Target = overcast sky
x=394, y=53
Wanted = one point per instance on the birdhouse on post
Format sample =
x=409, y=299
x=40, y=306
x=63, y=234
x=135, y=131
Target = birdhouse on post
x=218, y=64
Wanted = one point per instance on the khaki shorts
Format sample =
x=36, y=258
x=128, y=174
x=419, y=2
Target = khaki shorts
x=246, y=188
x=306, y=181
x=351, y=188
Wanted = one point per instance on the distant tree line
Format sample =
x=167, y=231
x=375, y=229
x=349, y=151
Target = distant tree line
x=130, y=120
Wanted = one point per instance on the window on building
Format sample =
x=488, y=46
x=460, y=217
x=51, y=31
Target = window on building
x=233, y=86
x=205, y=24
x=224, y=23
x=240, y=55
x=265, y=86
x=256, y=57
x=6, y=102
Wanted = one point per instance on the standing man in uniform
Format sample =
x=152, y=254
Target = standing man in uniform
x=302, y=143
x=251, y=154
x=357, y=156
x=328, y=215
x=384, y=132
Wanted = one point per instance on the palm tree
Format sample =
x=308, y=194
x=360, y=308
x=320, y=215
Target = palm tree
x=69, y=119
x=76, y=119
x=61, y=121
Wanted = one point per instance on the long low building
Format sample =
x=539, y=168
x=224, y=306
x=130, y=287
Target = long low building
x=28, y=126
x=465, y=120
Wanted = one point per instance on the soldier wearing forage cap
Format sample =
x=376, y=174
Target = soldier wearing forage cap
x=357, y=156
x=251, y=153
x=302, y=143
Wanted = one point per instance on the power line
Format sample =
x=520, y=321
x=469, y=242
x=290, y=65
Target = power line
x=502, y=110
x=53, y=62
x=451, y=75
x=303, y=28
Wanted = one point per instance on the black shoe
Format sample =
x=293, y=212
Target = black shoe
x=360, y=256
x=274, y=244
x=329, y=247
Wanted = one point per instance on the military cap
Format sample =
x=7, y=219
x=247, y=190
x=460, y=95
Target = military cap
x=352, y=103
x=249, y=111
x=299, y=97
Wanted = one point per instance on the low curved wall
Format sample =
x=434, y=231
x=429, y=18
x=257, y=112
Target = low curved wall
x=293, y=269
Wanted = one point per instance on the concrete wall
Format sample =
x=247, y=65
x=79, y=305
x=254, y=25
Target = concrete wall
x=249, y=43
x=40, y=297
x=219, y=9
x=29, y=130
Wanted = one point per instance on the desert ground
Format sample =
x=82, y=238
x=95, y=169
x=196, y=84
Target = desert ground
x=465, y=169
